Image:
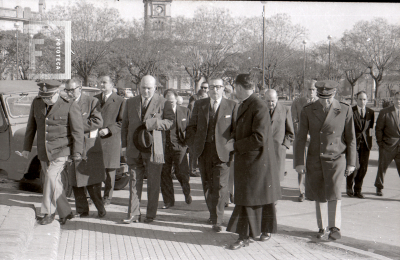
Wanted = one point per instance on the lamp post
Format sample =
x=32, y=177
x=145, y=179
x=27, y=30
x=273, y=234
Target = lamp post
x=329, y=57
x=16, y=25
x=304, y=65
x=263, y=47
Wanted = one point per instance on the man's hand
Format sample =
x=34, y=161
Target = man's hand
x=349, y=170
x=104, y=132
x=25, y=154
x=230, y=145
x=76, y=157
x=301, y=169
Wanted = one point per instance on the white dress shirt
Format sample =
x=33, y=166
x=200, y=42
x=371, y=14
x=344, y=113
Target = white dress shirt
x=218, y=103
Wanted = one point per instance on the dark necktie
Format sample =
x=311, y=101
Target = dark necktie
x=48, y=109
x=271, y=112
x=215, y=106
x=103, y=100
x=362, y=113
x=145, y=104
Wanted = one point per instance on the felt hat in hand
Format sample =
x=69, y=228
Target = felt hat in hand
x=143, y=139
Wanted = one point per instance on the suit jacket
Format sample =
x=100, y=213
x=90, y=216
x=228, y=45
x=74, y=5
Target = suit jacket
x=112, y=111
x=196, y=132
x=363, y=131
x=59, y=132
x=331, y=136
x=387, y=129
x=256, y=176
x=182, y=120
x=159, y=116
x=283, y=134
x=90, y=170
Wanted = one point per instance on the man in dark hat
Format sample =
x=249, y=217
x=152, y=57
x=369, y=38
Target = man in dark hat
x=58, y=124
x=88, y=173
x=257, y=186
x=145, y=119
x=332, y=152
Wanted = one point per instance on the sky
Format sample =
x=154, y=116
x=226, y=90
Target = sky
x=320, y=18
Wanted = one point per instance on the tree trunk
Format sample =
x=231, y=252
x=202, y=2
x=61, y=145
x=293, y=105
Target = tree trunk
x=352, y=93
x=196, y=85
x=85, y=80
x=376, y=92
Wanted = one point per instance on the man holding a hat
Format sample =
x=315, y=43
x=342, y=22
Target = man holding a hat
x=145, y=119
x=58, y=124
x=332, y=152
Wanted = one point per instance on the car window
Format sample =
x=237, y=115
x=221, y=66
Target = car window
x=19, y=105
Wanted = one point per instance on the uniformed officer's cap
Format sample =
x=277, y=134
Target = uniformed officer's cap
x=326, y=88
x=48, y=87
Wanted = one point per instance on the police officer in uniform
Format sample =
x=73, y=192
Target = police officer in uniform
x=59, y=127
x=332, y=152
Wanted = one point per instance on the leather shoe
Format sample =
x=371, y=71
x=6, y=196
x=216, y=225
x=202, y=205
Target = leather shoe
x=106, y=201
x=217, y=228
x=349, y=192
x=47, y=219
x=239, y=243
x=379, y=192
x=302, y=197
x=81, y=215
x=335, y=233
x=148, y=220
x=188, y=199
x=64, y=220
x=167, y=205
x=209, y=221
x=134, y=218
x=359, y=195
x=265, y=237
x=321, y=233
x=102, y=215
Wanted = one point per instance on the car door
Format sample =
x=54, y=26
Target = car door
x=4, y=134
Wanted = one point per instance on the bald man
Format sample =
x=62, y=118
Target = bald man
x=179, y=101
x=282, y=128
x=153, y=114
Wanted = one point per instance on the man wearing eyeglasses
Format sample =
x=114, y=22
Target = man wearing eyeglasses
x=58, y=124
x=90, y=172
x=310, y=96
x=209, y=136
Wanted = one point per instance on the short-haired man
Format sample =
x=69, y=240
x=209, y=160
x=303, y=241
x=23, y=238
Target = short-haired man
x=57, y=121
x=387, y=131
x=112, y=108
x=88, y=173
x=209, y=135
x=310, y=96
x=146, y=119
x=282, y=128
x=175, y=153
x=204, y=88
x=364, y=119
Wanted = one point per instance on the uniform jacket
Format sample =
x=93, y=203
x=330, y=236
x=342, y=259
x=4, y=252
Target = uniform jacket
x=196, y=132
x=296, y=108
x=112, y=112
x=59, y=133
x=90, y=170
x=332, y=147
x=182, y=120
x=283, y=134
x=363, y=131
x=159, y=116
x=387, y=129
x=256, y=175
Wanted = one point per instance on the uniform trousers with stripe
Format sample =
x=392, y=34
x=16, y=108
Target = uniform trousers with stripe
x=329, y=214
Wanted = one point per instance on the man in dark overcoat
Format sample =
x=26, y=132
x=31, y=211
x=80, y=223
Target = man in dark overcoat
x=147, y=115
x=112, y=109
x=282, y=128
x=57, y=122
x=209, y=135
x=332, y=152
x=364, y=119
x=175, y=153
x=89, y=172
x=257, y=185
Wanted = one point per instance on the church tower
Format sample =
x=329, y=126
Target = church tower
x=157, y=15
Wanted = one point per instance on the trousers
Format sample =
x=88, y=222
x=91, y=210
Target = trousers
x=356, y=178
x=329, y=214
x=109, y=183
x=81, y=203
x=385, y=158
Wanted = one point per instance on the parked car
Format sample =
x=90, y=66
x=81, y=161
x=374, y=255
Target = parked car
x=15, y=102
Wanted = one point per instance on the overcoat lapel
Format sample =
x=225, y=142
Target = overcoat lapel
x=277, y=113
x=318, y=111
x=206, y=109
x=56, y=106
x=43, y=108
x=396, y=119
x=222, y=108
x=138, y=106
x=244, y=106
x=334, y=111
x=367, y=118
x=151, y=107
x=109, y=100
x=357, y=117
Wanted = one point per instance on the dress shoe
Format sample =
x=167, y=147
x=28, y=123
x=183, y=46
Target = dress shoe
x=90, y=201
x=134, y=218
x=64, y=220
x=82, y=215
x=239, y=243
x=321, y=233
x=302, y=197
x=379, y=192
x=47, y=219
x=188, y=199
x=210, y=221
x=148, y=220
x=217, y=228
x=265, y=236
x=101, y=215
x=335, y=233
x=359, y=195
x=167, y=205
x=349, y=192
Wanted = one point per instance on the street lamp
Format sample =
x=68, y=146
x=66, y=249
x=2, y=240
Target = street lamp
x=263, y=48
x=329, y=56
x=304, y=65
x=16, y=25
